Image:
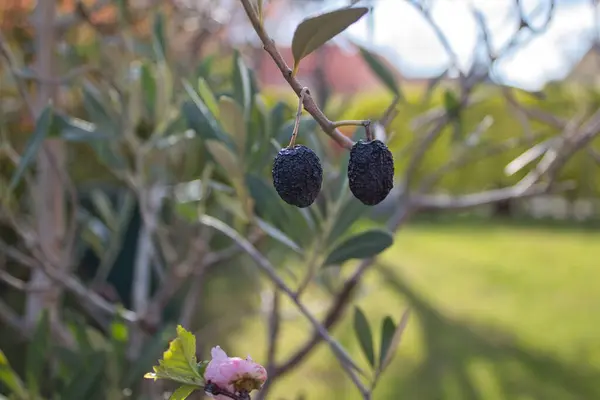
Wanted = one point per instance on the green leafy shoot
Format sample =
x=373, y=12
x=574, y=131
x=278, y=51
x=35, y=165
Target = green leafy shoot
x=179, y=362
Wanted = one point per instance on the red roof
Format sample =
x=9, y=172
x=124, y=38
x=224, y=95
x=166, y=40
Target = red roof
x=344, y=70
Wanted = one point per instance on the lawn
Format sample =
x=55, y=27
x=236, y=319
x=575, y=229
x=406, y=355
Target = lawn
x=498, y=312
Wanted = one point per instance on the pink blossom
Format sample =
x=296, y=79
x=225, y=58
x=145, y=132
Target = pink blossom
x=233, y=373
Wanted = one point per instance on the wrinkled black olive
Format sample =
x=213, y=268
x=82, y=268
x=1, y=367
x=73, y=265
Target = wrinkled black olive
x=297, y=175
x=370, y=171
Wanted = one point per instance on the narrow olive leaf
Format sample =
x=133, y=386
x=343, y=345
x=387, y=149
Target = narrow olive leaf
x=242, y=84
x=362, y=329
x=363, y=245
x=387, y=334
x=314, y=32
x=277, y=235
x=351, y=211
x=105, y=208
x=42, y=128
x=10, y=379
x=199, y=117
x=396, y=338
x=380, y=70
x=208, y=97
x=232, y=119
x=149, y=87
x=159, y=37
x=528, y=157
x=223, y=156
x=183, y=392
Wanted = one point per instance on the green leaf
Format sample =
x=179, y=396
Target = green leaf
x=387, y=333
x=183, y=392
x=363, y=245
x=232, y=120
x=97, y=111
x=42, y=128
x=119, y=331
x=287, y=218
x=451, y=104
x=159, y=39
x=277, y=235
x=364, y=335
x=10, y=378
x=78, y=130
x=208, y=97
x=37, y=353
x=313, y=32
x=223, y=156
x=179, y=362
x=396, y=338
x=82, y=385
x=103, y=205
x=351, y=211
x=149, y=89
x=199, y=116
x=242, y=84
x=381, y=70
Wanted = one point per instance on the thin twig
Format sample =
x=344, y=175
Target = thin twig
x=269, y=270
x=303, y=94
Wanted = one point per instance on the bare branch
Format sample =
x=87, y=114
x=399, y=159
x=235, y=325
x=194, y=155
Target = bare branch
x=269, y=270
x=309, y=104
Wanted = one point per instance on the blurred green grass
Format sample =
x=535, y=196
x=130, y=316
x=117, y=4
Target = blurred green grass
x=499, y=311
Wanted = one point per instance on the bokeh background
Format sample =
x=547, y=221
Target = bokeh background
x=504, y=297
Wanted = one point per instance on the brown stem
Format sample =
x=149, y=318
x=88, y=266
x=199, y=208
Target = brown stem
x=309, y=104
x=303, y=94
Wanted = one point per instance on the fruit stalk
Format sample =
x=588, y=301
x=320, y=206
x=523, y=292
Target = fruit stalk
x=303, y=94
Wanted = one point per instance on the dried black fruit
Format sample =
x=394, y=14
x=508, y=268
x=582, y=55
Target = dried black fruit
x=297, y=175
x=370, y=171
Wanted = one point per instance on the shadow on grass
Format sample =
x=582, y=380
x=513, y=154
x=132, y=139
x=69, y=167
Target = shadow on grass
x=461, y=357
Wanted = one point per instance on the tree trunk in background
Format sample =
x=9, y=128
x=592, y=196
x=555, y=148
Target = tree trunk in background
x=49, y=198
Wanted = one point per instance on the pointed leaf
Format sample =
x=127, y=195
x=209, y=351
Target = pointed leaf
x=387, y=334
x=208, y=97
x=199, y=116
x=179, y=362
x=105, y=208
x=363, y=245
x=183, y=392
x=313, y=32
x=10, y=378
x=232, y=120
x=351, y=212
x=159, y=38
x=277, y=235
x=83, y=383
x=396, y=338
x=223, y=156
x=380, y=70
x=363, y=333
x=149, y=88
x=42, y=129
x=37, y=353
x=242, y=85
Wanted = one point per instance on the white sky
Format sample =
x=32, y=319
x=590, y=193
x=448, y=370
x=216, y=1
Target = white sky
x=409, y=42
